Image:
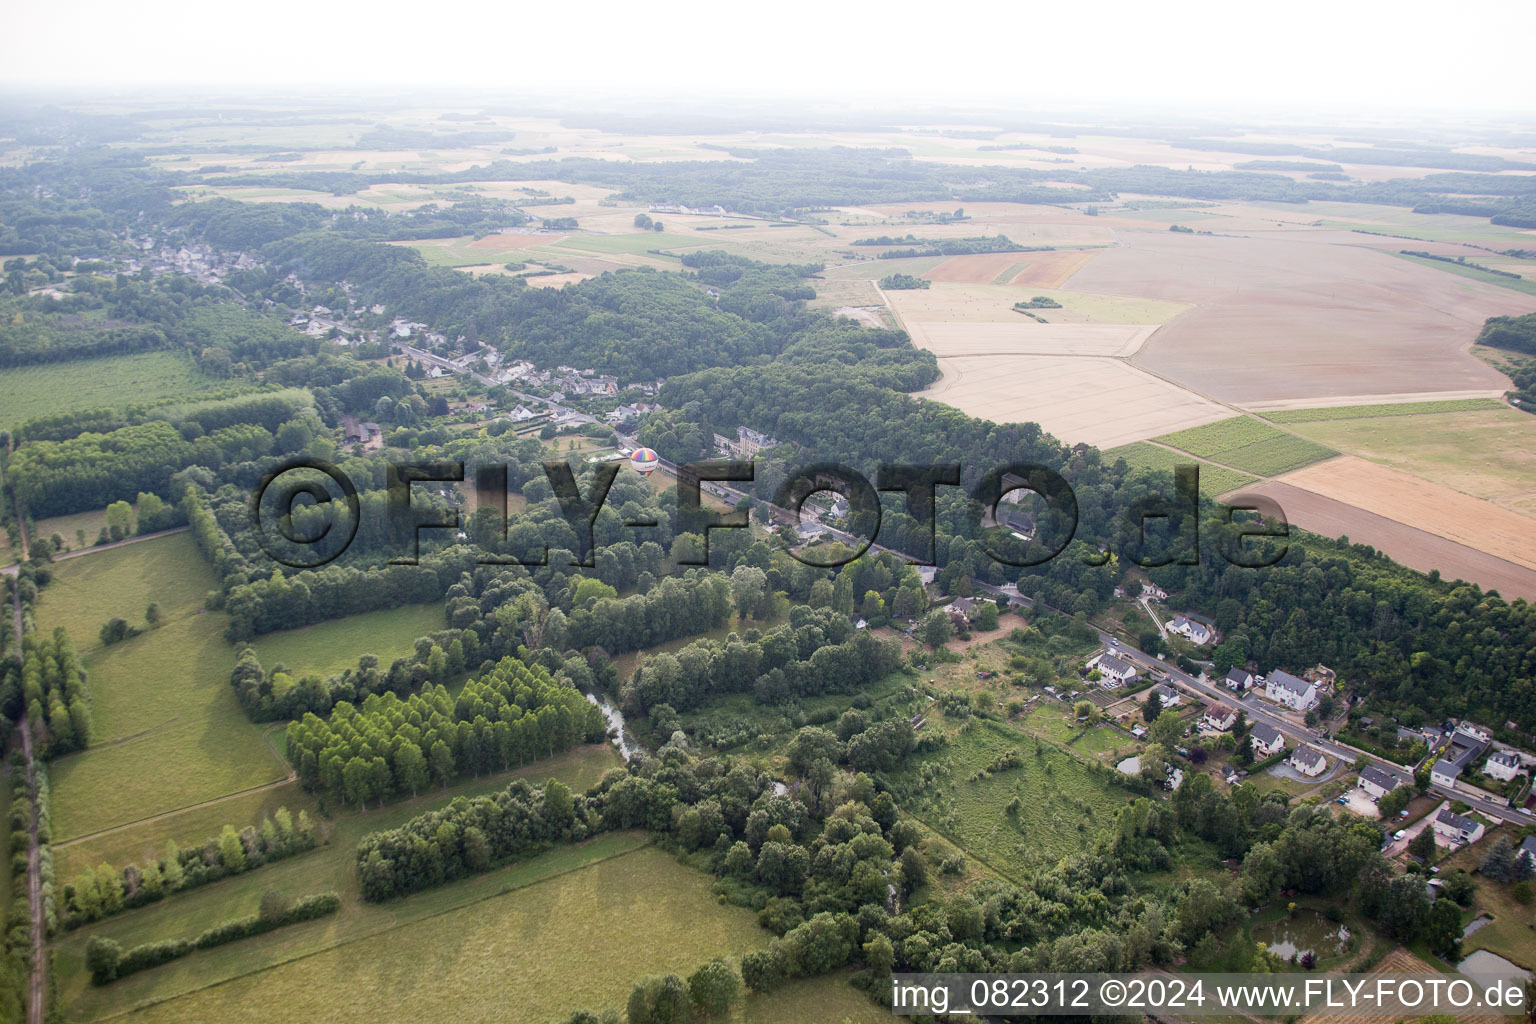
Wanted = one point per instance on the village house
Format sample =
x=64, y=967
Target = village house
x=1153, y=592
x=809, y=530
x=1113, y=669
x=521, y=414
x=1503, y=765
x=1266, y=740
x=1238, y=680
x=1218, y=717
x=1168, y=695
x=1466, y=746
x=1445, y=773
x=1376, y=782
x=1284, y=688
x=963, y=607
x=1196, y=632
x=1458, y=828
x=1309, y=761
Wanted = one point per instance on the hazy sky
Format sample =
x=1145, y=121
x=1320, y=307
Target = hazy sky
x=1299, y=54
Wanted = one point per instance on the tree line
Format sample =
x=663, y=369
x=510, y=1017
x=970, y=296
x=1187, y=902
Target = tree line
x=105, y=890
x=508, y=716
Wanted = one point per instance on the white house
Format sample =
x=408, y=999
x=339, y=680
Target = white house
x=1168, y=695
x=1218, y=717
x=1503, y=765
x=1238, y=680
x=1284, y=688
x=521, y=414
x=1196, y=632
x=1444, y=773
x=1377, y=782
x=1309, y=761
x=1266, y=740
x=1475, y=731
x=1113, y=669
x=1153, y=592
x=809, y=530
x=1458, y=828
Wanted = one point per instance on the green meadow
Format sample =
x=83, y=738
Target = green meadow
x=49, y=388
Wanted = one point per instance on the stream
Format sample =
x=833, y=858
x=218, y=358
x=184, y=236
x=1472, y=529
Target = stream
x=616, y=731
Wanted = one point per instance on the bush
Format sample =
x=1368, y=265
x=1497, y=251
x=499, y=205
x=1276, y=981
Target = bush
x=1523, y=894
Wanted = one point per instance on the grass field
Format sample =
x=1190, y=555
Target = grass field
x=1062, y=803
x=330, y=647
x=32, y=391
x=137, y=843
x=635, y=242
x=1490, y=453
x=1214, y=480
x=572, y=928
x=168, y=731
x=1514, y=284
x=1352, y=412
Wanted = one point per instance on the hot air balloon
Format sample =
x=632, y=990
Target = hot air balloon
x=644, y=461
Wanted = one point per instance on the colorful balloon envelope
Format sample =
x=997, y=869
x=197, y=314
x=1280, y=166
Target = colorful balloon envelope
x=645, y=461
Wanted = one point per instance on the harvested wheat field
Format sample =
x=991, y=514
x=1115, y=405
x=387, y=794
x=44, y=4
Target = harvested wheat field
x=980, y=268
x=1414, y=548
x=1096, y=400
x=1283, y=317
x=1026, y=337
x=1431, y=507
x=993, y=303
x=1053, y=269
x=555, y=280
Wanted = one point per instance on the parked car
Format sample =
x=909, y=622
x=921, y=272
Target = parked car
x=1400, y=835
x=1342, y=800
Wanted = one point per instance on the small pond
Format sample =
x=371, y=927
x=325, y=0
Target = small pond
x=1475, y=924
x=1485, y=968
x=1307, y=931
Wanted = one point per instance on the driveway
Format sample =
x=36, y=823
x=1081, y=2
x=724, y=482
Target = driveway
x=1360, y=802
x=1399, y=846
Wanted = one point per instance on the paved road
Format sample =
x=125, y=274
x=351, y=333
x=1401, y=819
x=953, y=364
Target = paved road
x=574, y=415
x=1260, y=711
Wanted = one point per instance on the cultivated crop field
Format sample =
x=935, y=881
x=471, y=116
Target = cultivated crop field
x=1026, y=337
x=1214, y=480
x=1353, y=412
x=1061, y=801
x=1303, y=336
x=32, y=391
x=948, y=302
x=1248, y=444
